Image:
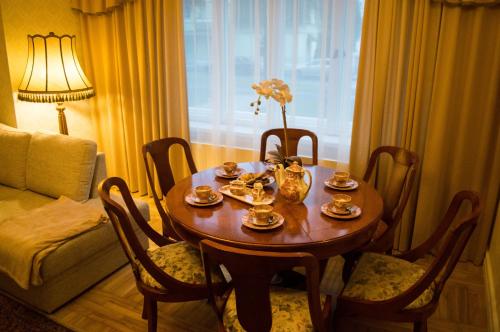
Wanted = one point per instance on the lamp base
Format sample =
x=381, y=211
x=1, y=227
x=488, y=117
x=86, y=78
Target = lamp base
x=63, y=126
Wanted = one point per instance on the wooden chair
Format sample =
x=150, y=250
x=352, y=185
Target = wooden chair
x=254, y=305
x=173, y=272
x=159, y=152
x=393, y=288
x=294, y=136
x=395, y=194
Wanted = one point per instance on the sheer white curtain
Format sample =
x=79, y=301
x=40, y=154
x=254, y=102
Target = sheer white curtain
x=313, y=45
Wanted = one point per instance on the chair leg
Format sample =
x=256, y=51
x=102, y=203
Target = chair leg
x=420, y=326
x=152, y=315
x=145, y=308
x=349, y=262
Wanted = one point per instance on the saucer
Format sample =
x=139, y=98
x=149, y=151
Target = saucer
x=276, y=221
x=349, y=185
x=336, y=210
x=273, y=219
x=195, y=201
x=210, y=199
x=270, y=166
x=354, y=213
x=220, y=172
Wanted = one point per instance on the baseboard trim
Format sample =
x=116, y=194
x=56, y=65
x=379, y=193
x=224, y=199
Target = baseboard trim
x=490, y=293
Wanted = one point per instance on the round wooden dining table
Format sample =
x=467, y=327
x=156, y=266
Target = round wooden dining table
x=305, y=228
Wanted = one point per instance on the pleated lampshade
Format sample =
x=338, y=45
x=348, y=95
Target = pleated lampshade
x=53, y=73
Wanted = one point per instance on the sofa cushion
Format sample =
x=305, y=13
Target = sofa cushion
x=60, y=165
x=14, y=202
x=13, y=153
x=90, y=243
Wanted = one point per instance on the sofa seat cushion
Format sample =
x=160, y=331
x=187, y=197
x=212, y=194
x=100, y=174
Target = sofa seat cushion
x=180, y=261
x=14, y=201
x=14, y=146
x=86, y=245
x=60, y=165
x=380, y=277
x=71, y=253
x=289, y=307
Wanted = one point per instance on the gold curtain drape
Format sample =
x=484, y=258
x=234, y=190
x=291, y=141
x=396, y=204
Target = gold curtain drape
x=135, y=58
x=469, y=2
x=95, y=7
x=429, y=81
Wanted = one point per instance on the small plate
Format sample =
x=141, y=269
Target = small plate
x=270, y=166
x=355, y=212
x=349, y=185
x=195, y=201
x=277, y=221
x=220, y=172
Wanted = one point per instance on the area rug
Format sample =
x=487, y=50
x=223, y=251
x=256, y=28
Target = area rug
x=16, y=317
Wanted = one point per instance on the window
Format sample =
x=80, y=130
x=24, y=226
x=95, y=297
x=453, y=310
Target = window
x=313, y=45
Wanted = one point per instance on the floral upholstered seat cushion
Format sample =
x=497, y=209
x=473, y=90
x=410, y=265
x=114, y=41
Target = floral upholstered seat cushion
x=290, y=310
x=380, y=277
x=180, y=261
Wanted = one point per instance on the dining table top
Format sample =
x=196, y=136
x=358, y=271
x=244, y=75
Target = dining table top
x=305, y=227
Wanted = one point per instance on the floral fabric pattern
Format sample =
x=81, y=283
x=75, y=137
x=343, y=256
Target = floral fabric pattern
x=289, y=307
x=380, y=277
x=180, y=261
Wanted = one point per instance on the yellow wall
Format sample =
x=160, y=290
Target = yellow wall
x=21, y=18
x=7, y=114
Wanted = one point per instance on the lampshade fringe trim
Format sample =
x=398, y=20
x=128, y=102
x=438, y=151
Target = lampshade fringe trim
x=57, y=97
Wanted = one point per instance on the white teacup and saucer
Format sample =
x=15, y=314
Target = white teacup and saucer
x=262, y=217
x=341, y=180
x=203, y=195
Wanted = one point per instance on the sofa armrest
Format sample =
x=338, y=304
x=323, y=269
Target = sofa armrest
x=99, y=174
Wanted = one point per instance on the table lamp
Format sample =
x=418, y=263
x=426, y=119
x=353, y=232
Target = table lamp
x=53, y=74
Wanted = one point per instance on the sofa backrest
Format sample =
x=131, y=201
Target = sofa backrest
x=60, y=165
x=54, y=164
x=14, y=146
x=100, y=174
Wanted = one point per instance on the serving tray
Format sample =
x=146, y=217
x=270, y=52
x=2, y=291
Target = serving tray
x=247, y=197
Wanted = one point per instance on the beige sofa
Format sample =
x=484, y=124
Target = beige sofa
x=37, y=168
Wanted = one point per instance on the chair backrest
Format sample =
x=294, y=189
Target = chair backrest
x=131, y=245
x=251, y=272
x=294, y=136
x=400, y=181
x=159, y=152
x=449, y=251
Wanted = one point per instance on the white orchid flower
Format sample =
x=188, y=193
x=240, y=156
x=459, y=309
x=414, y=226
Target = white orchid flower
x=274, y=88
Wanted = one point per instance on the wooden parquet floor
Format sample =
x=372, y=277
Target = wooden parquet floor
x=115, y=305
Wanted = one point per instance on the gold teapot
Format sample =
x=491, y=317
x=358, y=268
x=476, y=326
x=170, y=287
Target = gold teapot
x=291, y=183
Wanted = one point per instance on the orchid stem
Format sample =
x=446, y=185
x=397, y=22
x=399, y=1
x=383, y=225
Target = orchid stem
x=283, y=113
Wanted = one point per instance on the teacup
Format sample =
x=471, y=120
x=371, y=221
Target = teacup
x=237, y=187
x=341, y=202
x=203, y=193
x=262, y=213
x=258, y=192
x=229, y=167
x=339, y=177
